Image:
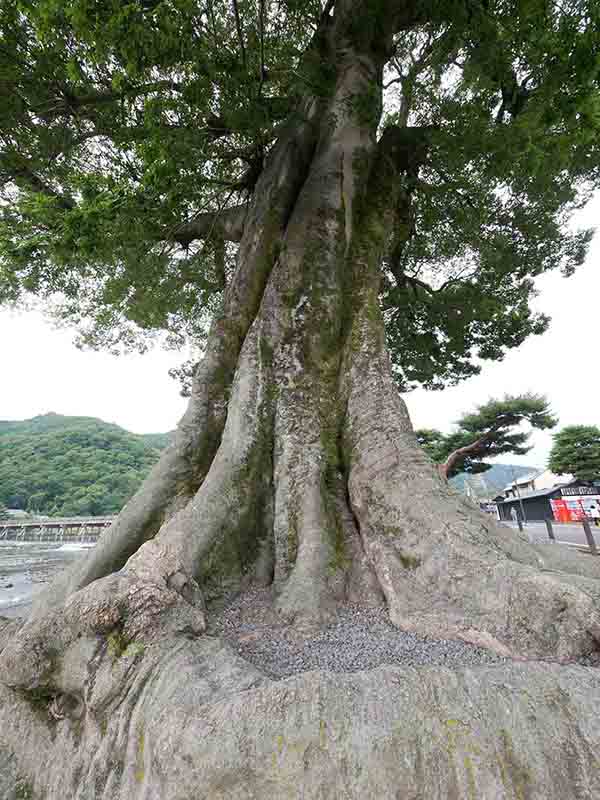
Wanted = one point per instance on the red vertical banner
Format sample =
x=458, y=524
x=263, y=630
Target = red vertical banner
x=560, y=511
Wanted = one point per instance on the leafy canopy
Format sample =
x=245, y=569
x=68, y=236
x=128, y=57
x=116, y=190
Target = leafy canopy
x=576, y=451
x=123, y=124
x=489, y=431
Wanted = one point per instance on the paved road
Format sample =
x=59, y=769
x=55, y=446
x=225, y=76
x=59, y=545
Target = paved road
x=565, y=532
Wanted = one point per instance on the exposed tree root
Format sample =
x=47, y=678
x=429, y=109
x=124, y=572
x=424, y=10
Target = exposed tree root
x=447, y=570
x=394, y=530
x=301, y=519
x=157, y=590
x=361, y=584
x=193, y=719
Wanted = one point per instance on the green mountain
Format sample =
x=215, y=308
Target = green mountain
x=72, y=466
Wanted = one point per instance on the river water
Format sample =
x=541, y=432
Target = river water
x=26, y=566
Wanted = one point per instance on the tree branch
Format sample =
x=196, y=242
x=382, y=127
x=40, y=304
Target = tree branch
x=402, y=151
x=403, y=16
x=238, y=25
x=229, y=224
x=514, y=97
x=22, y=172
x=261, y=21
x=405, y=148
x=461, y=453
x=70, y=103
x=409, y=78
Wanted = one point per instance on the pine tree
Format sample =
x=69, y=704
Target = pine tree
x=491, y=430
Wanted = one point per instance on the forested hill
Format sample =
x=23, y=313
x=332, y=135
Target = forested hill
x=72, y=466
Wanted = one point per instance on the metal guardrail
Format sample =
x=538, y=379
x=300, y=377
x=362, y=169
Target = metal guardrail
x=82, y=529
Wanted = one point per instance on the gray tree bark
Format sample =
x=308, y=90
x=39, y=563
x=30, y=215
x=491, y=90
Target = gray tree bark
x=295, y=464
x=295, y=461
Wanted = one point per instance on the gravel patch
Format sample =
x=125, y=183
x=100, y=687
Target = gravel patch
x=358, y=638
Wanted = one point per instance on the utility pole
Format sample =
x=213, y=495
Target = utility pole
x=523, y=517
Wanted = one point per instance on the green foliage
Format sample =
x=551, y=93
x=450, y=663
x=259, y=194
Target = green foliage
x=72, y=466
x=131, y=118
x=513, y=153
x=434, y=443
x=576, y=451
x=3, y=511
x=510, y=411
x=489, y=431
x=120, y=122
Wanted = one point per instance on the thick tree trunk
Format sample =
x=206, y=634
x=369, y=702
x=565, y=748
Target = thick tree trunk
x=295, y=465
x=186, y=462
x=295, y=461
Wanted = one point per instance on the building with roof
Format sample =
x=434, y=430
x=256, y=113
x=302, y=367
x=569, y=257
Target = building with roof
x=522, y=485
x=534, y=482
x=571, y=501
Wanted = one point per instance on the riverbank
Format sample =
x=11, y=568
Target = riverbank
x=26, y=566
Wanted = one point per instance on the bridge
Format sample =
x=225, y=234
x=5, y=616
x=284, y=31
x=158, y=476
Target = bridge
x=73, y=529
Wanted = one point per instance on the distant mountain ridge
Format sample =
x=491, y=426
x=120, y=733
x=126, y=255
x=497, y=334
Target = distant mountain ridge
x=72, y=466
x=52, y=421
x=493, y=481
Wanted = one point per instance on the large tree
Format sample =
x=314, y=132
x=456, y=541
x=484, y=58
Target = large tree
x=492, y=429
x=355, y=192
x=576, y=451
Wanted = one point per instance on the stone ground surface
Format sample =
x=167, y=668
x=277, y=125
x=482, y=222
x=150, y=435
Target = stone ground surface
x=358, y=638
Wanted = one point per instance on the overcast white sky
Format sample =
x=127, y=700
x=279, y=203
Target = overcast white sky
x=42, y=371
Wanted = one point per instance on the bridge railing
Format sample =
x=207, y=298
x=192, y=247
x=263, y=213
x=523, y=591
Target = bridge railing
x=83, y=529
